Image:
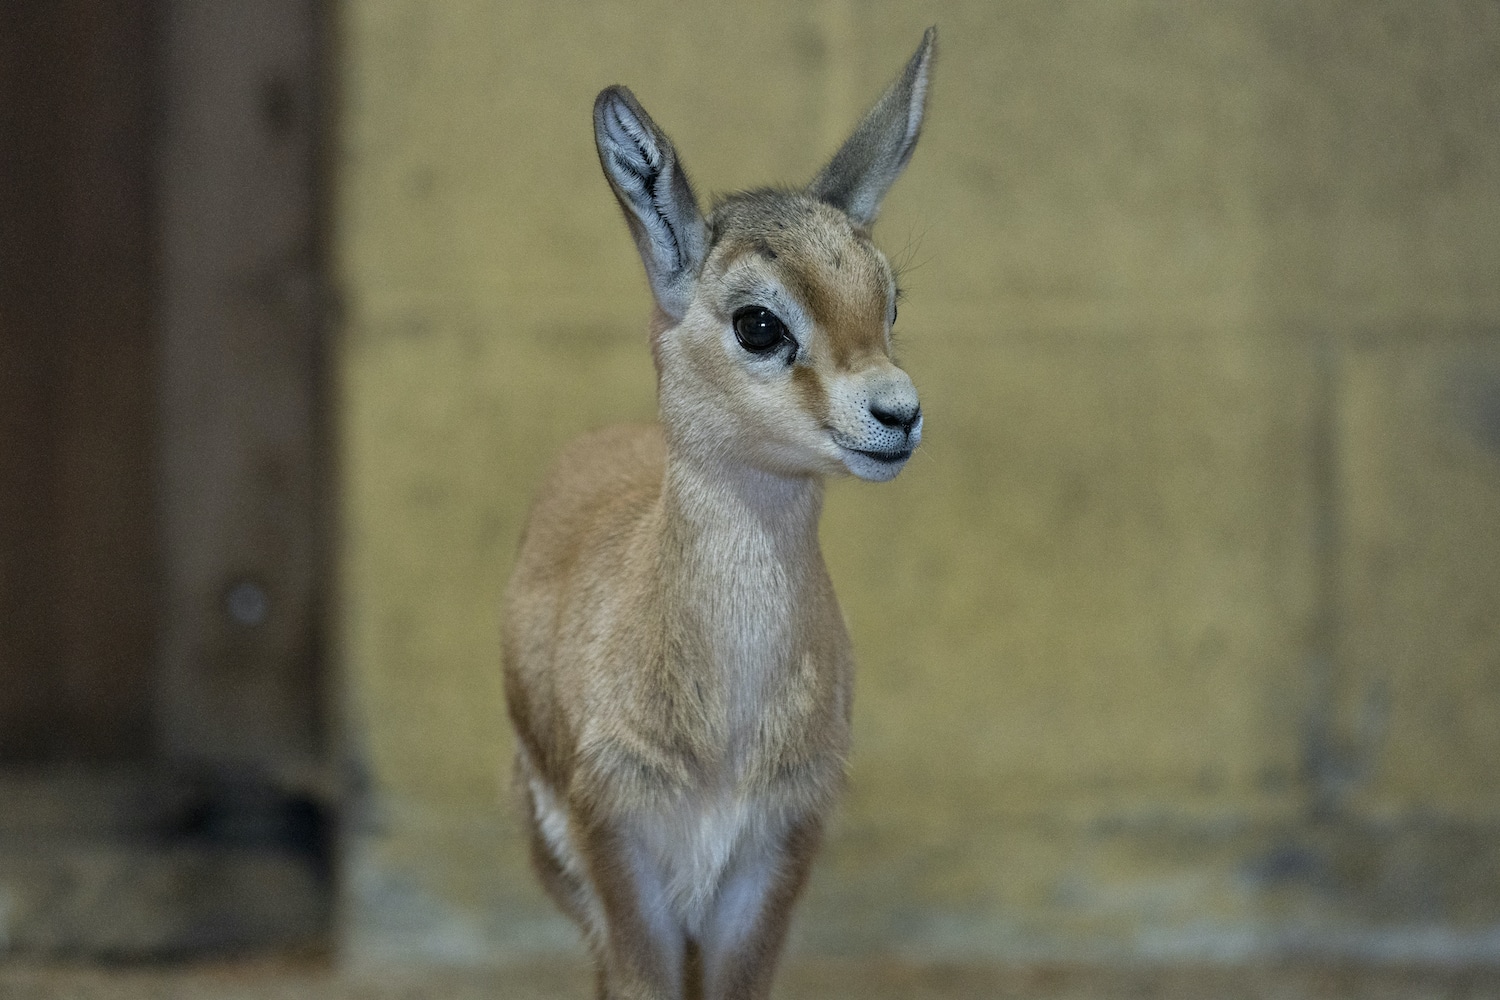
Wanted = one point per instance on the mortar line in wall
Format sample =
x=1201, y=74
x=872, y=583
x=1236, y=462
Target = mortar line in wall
x=1000, y=313
x=1325, y=752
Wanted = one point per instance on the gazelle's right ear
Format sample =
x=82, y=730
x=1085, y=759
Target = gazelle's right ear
x=654, y=191
x=868, y=163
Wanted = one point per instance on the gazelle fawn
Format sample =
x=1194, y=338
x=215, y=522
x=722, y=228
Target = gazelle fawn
x=676, y=664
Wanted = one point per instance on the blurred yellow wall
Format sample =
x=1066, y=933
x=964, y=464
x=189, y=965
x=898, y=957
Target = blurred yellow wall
x=1180, y=636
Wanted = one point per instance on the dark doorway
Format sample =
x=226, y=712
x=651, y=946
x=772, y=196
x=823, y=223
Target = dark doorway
x=165, y=764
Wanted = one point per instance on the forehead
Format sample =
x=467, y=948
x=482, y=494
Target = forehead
x=816, y=253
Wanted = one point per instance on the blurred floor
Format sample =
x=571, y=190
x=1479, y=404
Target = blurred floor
x=799, y=981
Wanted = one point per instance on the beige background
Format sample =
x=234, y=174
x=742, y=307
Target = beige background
x=1180, y=636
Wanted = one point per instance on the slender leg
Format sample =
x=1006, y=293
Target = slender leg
x=566, y=891
x=552, y=855
x=643, y=947
x=747, y=930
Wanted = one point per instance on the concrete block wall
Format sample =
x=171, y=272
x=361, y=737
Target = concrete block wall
x=1180, y=636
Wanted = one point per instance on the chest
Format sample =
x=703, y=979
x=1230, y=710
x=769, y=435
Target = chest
x=756, y=624
x=688, y=850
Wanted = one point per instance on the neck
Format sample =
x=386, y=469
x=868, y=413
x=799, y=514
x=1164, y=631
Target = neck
x=728, y=512
x=740, y=569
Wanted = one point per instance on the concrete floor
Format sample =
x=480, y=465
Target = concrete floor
x=799, y=981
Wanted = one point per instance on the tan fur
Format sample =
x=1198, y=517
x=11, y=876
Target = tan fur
x=677, y=668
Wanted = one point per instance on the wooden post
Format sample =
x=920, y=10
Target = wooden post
x=241, y=307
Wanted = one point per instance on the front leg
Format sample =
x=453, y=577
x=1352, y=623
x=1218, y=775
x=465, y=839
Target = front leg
x=643, y=946
x=744, y=934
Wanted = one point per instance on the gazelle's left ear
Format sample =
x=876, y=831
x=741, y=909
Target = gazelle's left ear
x=660, y=207
x=871, y=159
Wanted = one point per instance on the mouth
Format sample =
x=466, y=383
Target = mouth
x=888, y=457
x=873, y=465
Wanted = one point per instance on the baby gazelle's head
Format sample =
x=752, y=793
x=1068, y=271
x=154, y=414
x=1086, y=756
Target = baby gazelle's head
x=785, y=347
x=774, y=343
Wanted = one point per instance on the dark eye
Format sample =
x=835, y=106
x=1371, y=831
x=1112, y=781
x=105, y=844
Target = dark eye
x=758, y=330
x=895, y=311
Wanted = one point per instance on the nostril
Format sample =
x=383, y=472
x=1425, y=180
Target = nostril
x=904, y=417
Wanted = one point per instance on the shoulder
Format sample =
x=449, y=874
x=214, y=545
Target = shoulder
x=598, y=483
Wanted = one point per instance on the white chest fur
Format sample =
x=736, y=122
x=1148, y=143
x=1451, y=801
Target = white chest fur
x=683, y=856
x=691, y=849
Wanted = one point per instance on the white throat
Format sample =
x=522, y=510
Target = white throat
x=741, y=553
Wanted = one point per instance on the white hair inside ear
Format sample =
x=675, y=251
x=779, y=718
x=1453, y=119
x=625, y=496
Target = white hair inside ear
x=647, y=179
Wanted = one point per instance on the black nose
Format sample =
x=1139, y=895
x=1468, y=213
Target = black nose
x=902, y=417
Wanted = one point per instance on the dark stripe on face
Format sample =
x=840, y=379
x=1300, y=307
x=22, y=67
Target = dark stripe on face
x=810, y=388
x=846, y=300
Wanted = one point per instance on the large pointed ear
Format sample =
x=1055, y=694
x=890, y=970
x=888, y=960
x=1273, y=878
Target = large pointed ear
x=868, y=163
x=653, y=189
